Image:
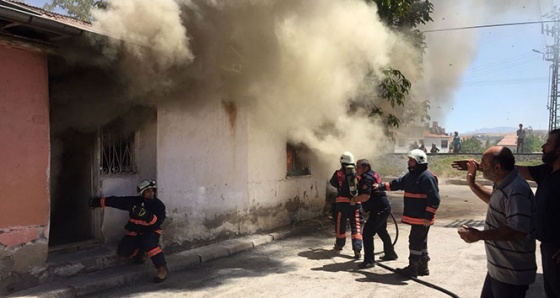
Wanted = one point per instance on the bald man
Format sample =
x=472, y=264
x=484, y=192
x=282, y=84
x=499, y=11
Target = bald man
x=509, y=228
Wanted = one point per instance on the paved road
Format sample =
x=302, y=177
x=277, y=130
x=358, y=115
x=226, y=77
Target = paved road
x=305, y=266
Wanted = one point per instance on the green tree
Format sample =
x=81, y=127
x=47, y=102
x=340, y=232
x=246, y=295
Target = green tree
x=404, y=13
x=471, y=145
x=79, y=9
x=533, y=140
x=402, y=16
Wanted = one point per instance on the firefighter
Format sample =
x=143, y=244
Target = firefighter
x=345, y=180
x=421, y=200
x=147, y=213
x=378, y=206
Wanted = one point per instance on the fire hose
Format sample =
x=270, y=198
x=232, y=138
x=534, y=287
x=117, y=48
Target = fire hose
x=422, y=282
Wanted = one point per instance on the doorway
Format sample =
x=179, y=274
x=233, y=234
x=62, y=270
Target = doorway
x=72, y=156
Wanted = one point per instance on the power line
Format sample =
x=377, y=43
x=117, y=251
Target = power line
x=487, y=26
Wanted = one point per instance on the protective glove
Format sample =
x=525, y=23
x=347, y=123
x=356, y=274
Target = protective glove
x=94, y=202
x=139, y=211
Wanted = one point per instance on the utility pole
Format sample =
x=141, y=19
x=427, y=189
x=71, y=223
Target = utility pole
x=552, y=55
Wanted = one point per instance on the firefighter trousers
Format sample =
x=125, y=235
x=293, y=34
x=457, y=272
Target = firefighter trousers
x=134, y=244
x=418, y=242
x=377, y=224
x=344, y=211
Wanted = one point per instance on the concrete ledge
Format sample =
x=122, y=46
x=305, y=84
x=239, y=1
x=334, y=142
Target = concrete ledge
x=183, y=260
x=237, y=245
x=213, y=251
x=260, y=240
x=280, y=235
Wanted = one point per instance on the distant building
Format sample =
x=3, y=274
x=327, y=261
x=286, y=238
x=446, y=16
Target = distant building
x=510, y=141
x=405, y=140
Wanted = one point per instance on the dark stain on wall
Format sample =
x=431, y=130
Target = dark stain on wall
x=231, y=111
x=295, y=204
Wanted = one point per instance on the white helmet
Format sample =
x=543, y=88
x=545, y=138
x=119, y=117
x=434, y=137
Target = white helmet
x=347, y=158
x=418, y=155
x=145, y=184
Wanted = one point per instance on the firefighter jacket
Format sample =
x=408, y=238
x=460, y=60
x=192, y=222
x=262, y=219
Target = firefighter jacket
x=378, y=201
x=150, y=220
x=421, y=194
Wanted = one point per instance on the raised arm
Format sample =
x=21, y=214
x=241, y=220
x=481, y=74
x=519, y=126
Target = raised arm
x=478, y=189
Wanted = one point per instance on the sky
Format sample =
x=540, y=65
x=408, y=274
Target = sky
x=505, y=81
x=495, y=78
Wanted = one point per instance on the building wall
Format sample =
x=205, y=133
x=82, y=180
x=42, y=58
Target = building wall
x=429, y=141
x=202, y=171
x=24, y=130
x=220, y=177
x=279, y=200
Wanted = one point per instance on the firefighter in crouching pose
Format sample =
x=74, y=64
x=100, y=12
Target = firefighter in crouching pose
x=421, y=200
x=147, y=213
x=345, y=180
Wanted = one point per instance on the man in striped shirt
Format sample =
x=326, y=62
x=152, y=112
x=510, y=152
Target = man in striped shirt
x=509, y=229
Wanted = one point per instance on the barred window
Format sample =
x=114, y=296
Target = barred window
x=297, y=160
x=117, y=153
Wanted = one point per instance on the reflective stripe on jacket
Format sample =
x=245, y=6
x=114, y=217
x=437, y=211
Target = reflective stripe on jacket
x=421, y=195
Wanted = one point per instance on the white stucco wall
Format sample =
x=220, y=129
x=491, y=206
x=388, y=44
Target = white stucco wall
x=220, y=177
x=269, y=188
x=202, y=170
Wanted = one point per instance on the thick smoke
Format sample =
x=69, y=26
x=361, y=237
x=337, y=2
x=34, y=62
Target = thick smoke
x=296, y=64
x=153, y=40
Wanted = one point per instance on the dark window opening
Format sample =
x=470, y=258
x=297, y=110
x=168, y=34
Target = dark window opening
x=444, y=143
x=297, y=160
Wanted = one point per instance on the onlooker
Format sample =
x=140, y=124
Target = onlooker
x=547, y=177
x=345, y=180
x=421, y=200
x=422, y=147
x=147, y=213
x=520, y=138
x=434, y=148
x=378, y=206
x=456, y=142
x=509, y=226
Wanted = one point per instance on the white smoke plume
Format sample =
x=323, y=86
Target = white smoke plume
x=297, y=63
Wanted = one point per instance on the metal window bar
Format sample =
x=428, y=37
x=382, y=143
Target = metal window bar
x=117, y=154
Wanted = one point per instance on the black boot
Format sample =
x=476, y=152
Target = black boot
x=366, y=264
x=411, y=270
x=423, y=269
x=389, y=256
